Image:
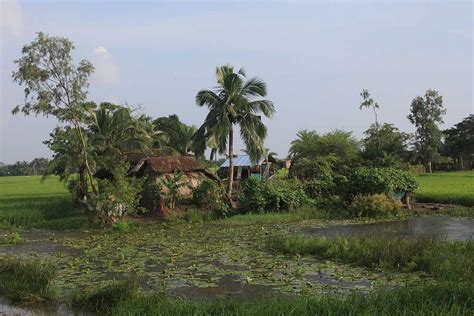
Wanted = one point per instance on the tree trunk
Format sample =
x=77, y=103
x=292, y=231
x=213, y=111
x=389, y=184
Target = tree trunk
x=84, y=154
x=428, y=165
x=231, y=163
x=213, y=153
x=82, y=183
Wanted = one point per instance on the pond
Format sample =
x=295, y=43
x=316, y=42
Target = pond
x=439, y=227
x=217, y=261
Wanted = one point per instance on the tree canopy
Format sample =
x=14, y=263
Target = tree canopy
x=426, y=113
x=235, y=101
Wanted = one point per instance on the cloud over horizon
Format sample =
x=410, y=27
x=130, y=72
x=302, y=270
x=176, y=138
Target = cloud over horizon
x=106, y=70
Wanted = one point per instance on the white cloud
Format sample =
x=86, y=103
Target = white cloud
x=106, y=70
x=11, y=17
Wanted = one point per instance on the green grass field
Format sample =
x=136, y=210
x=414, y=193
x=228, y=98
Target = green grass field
x=447, y=187
x=26, y=201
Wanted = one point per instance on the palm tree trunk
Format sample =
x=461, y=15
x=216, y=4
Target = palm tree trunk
x=213, y=153
x=231, y=163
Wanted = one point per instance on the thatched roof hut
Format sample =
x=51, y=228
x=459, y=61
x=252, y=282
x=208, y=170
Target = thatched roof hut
x=158, y=168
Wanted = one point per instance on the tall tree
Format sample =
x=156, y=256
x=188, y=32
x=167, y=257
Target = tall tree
x=369, y=103
x=384, y=146
x=66, y=148
x=459, y=142
x=426, y=113
x=55, y=86
x=236, y=101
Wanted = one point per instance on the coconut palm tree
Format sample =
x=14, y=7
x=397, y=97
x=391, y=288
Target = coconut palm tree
x=115, y=132
x=236, y=101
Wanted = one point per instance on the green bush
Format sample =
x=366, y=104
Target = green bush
x=117, y=196
x=381, y=180
x=210, y=196
x=258, y=196
x=332, y=203
x=377, y=205
x=123, y=226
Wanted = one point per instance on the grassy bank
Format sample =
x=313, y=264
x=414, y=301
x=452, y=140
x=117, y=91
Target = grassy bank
x=26, y=279
x=446, y=299
x=442, y=259
x=26, y=201
x=447, y=187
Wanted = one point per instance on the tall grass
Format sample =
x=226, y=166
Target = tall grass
x=26, y=279
x=107, y=297
x=299, y=214
x=445, y=260
x=26, y=201
x=445, y=299
x=446, y=187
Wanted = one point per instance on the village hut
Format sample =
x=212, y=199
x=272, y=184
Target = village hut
x=245, y=168
x=157, y=168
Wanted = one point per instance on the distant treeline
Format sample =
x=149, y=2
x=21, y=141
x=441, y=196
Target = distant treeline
x=37, y=166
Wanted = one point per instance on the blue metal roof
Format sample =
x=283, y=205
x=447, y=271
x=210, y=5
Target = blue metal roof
x=242, y=161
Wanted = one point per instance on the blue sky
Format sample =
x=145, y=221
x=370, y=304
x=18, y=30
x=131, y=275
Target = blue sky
x=315, y=57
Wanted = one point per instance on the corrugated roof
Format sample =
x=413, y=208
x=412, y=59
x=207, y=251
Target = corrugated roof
x=242, y=161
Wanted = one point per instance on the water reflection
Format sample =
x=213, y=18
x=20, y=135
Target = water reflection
x=439, y=227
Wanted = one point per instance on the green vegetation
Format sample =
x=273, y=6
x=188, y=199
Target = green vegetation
x=12, y=238
x=442, y=259
x=424, y=300
x=378, y=205
x=447, y=187
x=458, y=211
x=206, y=250
x=235, y=101
x=26, y=279
x=107, y=296
x=270, y=196
x=26, y=201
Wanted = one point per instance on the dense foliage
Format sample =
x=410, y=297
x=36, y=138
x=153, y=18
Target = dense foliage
x=459, y=143
x=258, y=196
x=384, y=146
x=377, y=205
x=118, y=195
x=210, y=196
x=335, y=152
x=426, y=113
x=381, y=180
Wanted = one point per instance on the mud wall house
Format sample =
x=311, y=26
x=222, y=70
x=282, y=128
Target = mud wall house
x=155, y=169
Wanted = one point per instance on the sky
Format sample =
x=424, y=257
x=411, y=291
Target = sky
x=315, y=56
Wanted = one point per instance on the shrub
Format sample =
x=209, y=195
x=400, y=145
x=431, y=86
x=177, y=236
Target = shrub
x=377, y=205
x=209, y=196
x=381, y=180
x=123, y=226
x=333, y=203
x=117, y=195
x=315, y=188
x=270, y=196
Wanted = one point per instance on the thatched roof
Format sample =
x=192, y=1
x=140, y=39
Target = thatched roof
x=171, y=164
